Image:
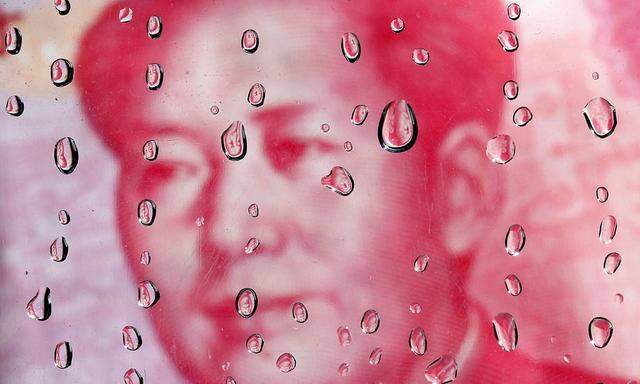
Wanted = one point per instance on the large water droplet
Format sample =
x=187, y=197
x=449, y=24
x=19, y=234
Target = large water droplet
x=514, y=240
x=299, y=312
x=601, y=117
x=514, y=287
x=370, y=321
x=253, y=210
x=350, y=47
x=510, y=89
x=522, y=116
x=234, y=141
x=61, y=72
x=607, y=229
x=12, y=40
x=506, y=331
x=148, y=294
x=250, y=41
x=146, y=212
x=339, y=180
x=145, y=258
x=418, y=341
x=14, y=106
x=62, y=6
x=600, y=332
x=375, y=356
x=286, y=362
x=125, y=15
x=421, y=262
x=62, y=355
x=397, y=25
x=251, y=246
x=359, y=114
x=508, y=40
x=344, y=335
x=415, y=308
x=131, y=338
x=420, y=56
x=501, y=149
x=442, y=370
x=398, y=128
x=343, y=369
x=602, y=194
x=255, y=343
x=246, y=302
x=154, y=76
x=154, y=27
x=611, y=263
x=256, y=95
x=59, y=249
x=39, y=307
x=513, y=11
x=132, y=376
x=65, y=155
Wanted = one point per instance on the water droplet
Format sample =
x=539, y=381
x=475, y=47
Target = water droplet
x=148, y=294
x=145, y=258
x=506, y=331
x=214, y=109
x=344, y=335
x=299, y=312
x=420, y=263
x=246, y=302
x=343, y=369
x=65, y=154
x=39, y=307
x=552, y=339
x=619, y=298
x=339, y=180
x=150, y=150
x=154, y=76
x=13, y=40
x=370, y=321
x=350, y=47
x=132, y=376
x=230, y=380
x=510, y=89
x=59, y=249
x=348, y=146
x=611, y=263
x=325, y=127
x=375, y=356
x=442, y=370
x=418, y=341
x=234, y=141
x=286, y=362
x=226, y=365
x=601, y=117
x=251, y=246
x=514, y=240
x=63, y=217
x=62, y=355
x=595, y=75
x=415, y=308
x=256, y=95
x=513, y=11
x=398, y=128
x=514, y=287
x=508, y=40
x=566, y=358
x=359, y=114
x=501, y=149
x=62, y=6
x=61, y=72
x=607, y=230
x=253, y=210
x=397, y=25
x=420, y=56
x=146, y=212
x=125, y=15
x=600, y=332
x=522, y=116
x=255, y=343
x=131, y=338
x=154, y=27
x=14, y=106
x=602, y=194
x=250, y=41
x=199, y=221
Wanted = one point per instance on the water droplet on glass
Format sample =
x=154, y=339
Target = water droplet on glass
x=39, y=307
x=251, y=246
x=600, y=332
x=343, y=369
x=62, y=6
x=418, y=341
x=601, y=117
x=506, y=331
x=442, y=370
x=375, y=356
x=344, y=335
x=199, y=221
x=13, y=40
x=148, y=294
x=59, y=249
x=398, y=128
x=607, y=230
x=552, y=339
x=226, y=365
x=61, y=72
x=154, y=27
x=611, y=263
x=131, y=338
x=415, y=308
x=510, y=89
x=595, y=75
x=246, y=302
x=146, y=212
x=145, y=258
x=370, y=321
x=348, y=146
x=256, y=95
x=253, y=210
x=65, y=154
x=339, y=180
x=325, y=127
x=508, y=40
x=420, y=263
x=350, y=47
x=125, y=15
x=230, y=380
x=566, y=358
x=132, y=376
x=514, y=240
x=501, y=149
x=602, y=194
x=255, y=343
x=522, y=116
x=513, y=11
x=62, y=355
x=154, y=76
x=420, y=56
x=286, y=362
x=14, y=106
x=397, y=25
x=359, y=114
x=299, y=312
x=150, y=150
x=619, y=298
x=63, y=217
x=514, y=287
x=234, y=141
x=250, y=41
x=214, y=109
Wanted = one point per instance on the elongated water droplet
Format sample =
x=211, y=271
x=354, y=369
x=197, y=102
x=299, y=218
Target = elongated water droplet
x=339, y=180
x=343, y=369
x=508, y=40
x=611, y=263
x=608, y=229
x=145, y=258
x=65, y=155
x=132, y=376
x=522, y=116
x=601, y=117
x=286, y=362
x=255, y=343
x=348, y=146
x=59, y=249
x=251, y=246
x=510, y=89
x=256, y=95
x=375, y=356
x=246, y=302
x=12, y=40
x=514, y=240
x=250, y=41
x=63, y=217
x=513, y=11
x=125, y=15
x=154, y=27
x=415, y=308
x=150, y=150
x=442, y=370
x=299, y=312
x=420, y=56
x=370, y=321
x=350, y=47
x=344, y=335
x=566, y=358
x=397, y=25
x=600, y=332
x=62, y=6
x=62, y=355
x=398, y=128
x=514, y=287
x=506, y=331
x=39, y=307
x=602, y=194
x=418, y=341
x=14, y=106
x=421, y=262
x=359, y=114
x=131, y=338
x=146, y=212
x=61, y=72
x=501, y=149
x=234, y=141
x=148, y=294
x=253, y=210
x=154, y=76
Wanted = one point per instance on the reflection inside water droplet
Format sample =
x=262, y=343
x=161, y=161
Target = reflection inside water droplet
x=58, y=250
x=348, y=146
x=505, y=331
x=513, y=11
x=154, y=27
x=154, y=76
x=63, y=217
x=286, y=362
x=513, y=285
x=62, y=355
x=600, y=332
x=359, y=114
x=250, y=41
x=125, y=15
x=255, y=343
x=14, y=106
x=61, y=72
x=415, y=308
x=256, y=95
x=65, y=155
x=398, y=128
x=148, y=294
x=501, y=149
x=132, y=376
x=131, y=339
x=344, y=335
x=522, y=116
x=375, y=356
x=611, y=263
x=343, y=369
x=39, y=307
x=146, y=212
x=150, y=150
x=510, y=89
x=370, y=321
x=442, y=370
x=350, y=47
x=508, y=40
x=602, y=194
x=251, y=245
x=299, y=312
x=145, y=258
x=325, y=127
x=514, y=240
x=338, y=180
x=246, y=302
x=418, y=341
x=397, y=25
x=253, y=210
x=420, y=56
x=234, y=141
x=601, y=117
x=12, y=40
x=421, y=262
x=607, y=230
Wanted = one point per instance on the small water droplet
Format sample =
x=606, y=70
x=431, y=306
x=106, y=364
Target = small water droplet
x=505, y=331
x=250, y=41
x=199, y=221
x=39, y=307
x=12, y=40
x=397, y=25
x=344, y=335
x=398, y=128
x=154, y=76
x=62, y=6
x=230, y=380
x=514, y=240
x=154, y=27
x=359, y=114
x=150, y=150
x=513, y=284
x=325, y=127
x=146, y=212
x=131, y=338
x=415, y=308
x=566, y=358
x=251, y=245
x=421, y=262
x=595, y=75
x=552, y=339
x=226, y=365
x=234, y=141
x=125, y=15
x=442, y=370
x=420, y=56
x=508, y=40
x=418, y=341
x=214, y=109
x=256, y=95
x=513, y=11
x=286, y=362
x=343, y=369
x=601, y=117
x=619, y=298
x=522, y=116
x=61, y=72
x=339, y=180
x=59, y=249
x=299, y=312
x=132, y=376
x=148, y=294
x=501, y=149
x=62, y=355
x=370, y=321
x=253, y=210
x=375, y=356
x=255, y=343
x=348, y=146
x=145, y=258
x=600, y=332
x=65, y=155
x=611, y=263
x=350, y=47
x=510, y=89
x=14, y=106
x=607, y=229
x=246, y=302
x=63, y=217
x=602, y=194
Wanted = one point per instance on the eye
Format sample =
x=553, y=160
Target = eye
x=285, y=153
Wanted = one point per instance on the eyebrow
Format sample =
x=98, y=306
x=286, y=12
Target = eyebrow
x=279, y=116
